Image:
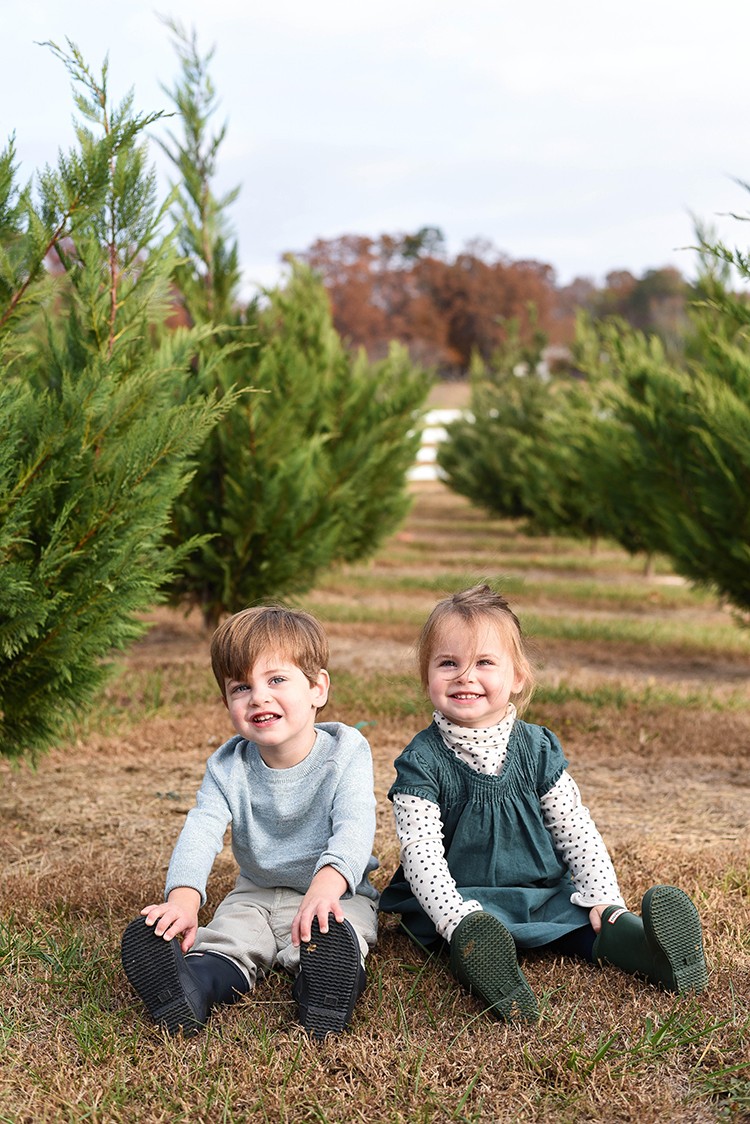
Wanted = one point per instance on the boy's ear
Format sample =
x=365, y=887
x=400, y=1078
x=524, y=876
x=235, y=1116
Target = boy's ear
x=321, y=688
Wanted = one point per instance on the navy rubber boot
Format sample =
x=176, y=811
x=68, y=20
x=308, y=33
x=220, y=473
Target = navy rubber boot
x=178, y=991
x=331, y=978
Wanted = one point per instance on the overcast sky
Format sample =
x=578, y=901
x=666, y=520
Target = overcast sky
x=584, y=134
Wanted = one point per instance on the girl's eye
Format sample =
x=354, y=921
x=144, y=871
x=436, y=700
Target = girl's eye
x=446, y=663
x=486, y=662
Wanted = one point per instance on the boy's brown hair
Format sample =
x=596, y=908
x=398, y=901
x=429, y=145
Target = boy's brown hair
x=243, y=638
x=480, y=605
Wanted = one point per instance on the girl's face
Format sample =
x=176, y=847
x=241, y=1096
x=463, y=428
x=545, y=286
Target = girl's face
x=471, y=677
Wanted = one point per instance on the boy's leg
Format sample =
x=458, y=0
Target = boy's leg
x=331, y=978
x=483, y=958
x=241, y=929
x=329, y=968
x=178, y=991
x=665, y=944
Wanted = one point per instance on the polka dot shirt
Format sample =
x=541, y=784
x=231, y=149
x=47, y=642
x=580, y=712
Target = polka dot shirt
x=574, y=833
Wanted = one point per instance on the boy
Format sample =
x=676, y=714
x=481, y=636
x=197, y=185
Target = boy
x=299, y=796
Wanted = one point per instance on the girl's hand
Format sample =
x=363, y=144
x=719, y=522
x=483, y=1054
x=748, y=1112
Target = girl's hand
x=595, y=915
x=323, y=897
x=178, y=916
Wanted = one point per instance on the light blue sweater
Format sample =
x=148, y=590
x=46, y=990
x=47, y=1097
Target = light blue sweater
x=286, y=823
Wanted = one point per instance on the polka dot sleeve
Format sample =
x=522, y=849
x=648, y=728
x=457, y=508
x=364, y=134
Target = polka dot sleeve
x=577, y=840
x=420, y=833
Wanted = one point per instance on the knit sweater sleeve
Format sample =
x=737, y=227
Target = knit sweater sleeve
x=577, y=840
x=420, y=832
x=349, y=847
x=201, y=838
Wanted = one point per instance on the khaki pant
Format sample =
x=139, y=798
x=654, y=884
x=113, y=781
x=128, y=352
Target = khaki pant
x=253, y=927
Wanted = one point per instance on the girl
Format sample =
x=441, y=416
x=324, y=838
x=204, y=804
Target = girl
x=497, y=851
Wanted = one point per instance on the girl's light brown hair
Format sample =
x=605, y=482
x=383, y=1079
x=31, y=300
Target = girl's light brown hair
x=243, y=638
x=474, y=608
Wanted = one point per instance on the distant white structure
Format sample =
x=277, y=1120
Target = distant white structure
x=426, y=467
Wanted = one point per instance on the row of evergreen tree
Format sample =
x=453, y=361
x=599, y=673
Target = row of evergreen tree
x=215, y=458
x=631, y=443
x=230, y=453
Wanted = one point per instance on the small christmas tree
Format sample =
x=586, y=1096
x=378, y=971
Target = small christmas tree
x=94, y=442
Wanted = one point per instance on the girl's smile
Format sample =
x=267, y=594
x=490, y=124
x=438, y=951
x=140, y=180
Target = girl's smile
x=472, y=678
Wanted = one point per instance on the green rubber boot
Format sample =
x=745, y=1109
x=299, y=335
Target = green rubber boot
x=665, y=944
x=483, y=959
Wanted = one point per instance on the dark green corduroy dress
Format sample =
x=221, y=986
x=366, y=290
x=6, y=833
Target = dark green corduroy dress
x=497, y=847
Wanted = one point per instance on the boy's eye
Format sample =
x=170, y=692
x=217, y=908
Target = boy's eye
x=276, y=679
x=238, y=688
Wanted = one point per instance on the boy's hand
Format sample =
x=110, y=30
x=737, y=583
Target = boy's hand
x=322, y=898
x=178, y=915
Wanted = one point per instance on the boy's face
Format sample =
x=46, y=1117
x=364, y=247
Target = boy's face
x=275, y=706
x=471, y=678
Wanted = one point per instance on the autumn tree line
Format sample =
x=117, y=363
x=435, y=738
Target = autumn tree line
x=448, y=310
x=161, y=439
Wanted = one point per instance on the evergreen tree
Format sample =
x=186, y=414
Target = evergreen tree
x=94, y=443
x=547, y=448
x=687, y=432
x=485, y=455
x=308, y=468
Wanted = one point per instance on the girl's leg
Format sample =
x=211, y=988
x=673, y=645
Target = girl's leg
x=483, y=958
x=665, y=944
x=579, y=942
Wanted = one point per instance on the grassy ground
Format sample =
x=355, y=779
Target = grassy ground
x=645, y=681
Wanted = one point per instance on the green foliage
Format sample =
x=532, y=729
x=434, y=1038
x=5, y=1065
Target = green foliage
x=645, y=450
x=94, y=443
x=686, y=433
x=508, y=398
x=308, y=467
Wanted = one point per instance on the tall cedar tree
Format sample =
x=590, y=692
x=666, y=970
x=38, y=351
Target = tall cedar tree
x=94, y=444
x=309, y=467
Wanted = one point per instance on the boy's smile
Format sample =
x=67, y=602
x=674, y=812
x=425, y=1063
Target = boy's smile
x=275, y=706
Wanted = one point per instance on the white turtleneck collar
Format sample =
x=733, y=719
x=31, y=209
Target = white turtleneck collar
x=483, y=749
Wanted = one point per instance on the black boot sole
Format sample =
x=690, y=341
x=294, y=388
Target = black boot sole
x=154, y=967
x=330, y=966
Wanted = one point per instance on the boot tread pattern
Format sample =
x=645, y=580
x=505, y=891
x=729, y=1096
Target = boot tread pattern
x=330, y=967
x=150, y=965
x=672, y=922
x=483, y=959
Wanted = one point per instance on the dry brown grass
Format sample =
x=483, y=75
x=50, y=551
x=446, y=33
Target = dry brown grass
x=86, y=839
